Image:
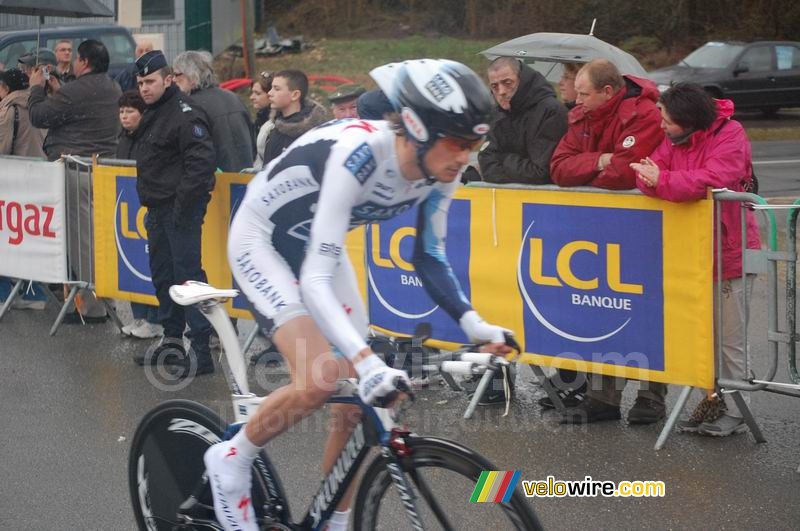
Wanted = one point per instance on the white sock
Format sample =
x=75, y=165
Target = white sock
x=244, y=451
x=338, y=520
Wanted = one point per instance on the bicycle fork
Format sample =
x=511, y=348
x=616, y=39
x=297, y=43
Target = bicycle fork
x=396, y=449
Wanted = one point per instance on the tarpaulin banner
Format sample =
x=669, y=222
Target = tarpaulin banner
x=32, y=220
x=121, y=247
x=599, y=282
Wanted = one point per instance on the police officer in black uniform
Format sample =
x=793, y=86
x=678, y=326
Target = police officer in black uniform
x=175, y=166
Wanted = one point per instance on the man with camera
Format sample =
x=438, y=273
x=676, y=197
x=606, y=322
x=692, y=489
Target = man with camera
x=81, y=116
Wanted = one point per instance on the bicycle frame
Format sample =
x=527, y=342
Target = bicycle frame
x=377, y=428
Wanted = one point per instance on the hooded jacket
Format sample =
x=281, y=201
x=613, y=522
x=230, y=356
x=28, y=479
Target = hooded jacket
x=628, y=126
x=717, y=157
x=287, y=130
x=82, y=118
x=29, y=139
x=522, y=139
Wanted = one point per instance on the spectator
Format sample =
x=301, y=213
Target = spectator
x=63, y=52
x=231, y=128
x=293, y=113
x=344, y=101
x=131, y=107
x=259, y=97
x=566, y=85
x=82, y=119
x=28, y=61
x=82, y=116
x=614, y=123
x=526, y=127
x=127, y=77
x=373, y=105
x=175, y=167
x=704, y=149
x=17, y=135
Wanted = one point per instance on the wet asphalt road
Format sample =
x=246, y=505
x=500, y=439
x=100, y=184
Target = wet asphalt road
x=69, y=405
x=777, y=166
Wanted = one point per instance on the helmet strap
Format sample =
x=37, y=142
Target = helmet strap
x=422, y=149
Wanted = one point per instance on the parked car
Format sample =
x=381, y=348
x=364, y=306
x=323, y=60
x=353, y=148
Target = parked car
x=118, y=40
x=755, y=75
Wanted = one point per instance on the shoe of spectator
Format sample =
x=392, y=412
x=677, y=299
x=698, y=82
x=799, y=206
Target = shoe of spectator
x=147, y=330
x=569, y=397
x=126, y=330
x=491, y=398
x=646, y=411
x=75, y=318
x=724, y=426
x=183, y=367
x=708, y=410
x=590, y=410
x=26, y=304
x=164, y=353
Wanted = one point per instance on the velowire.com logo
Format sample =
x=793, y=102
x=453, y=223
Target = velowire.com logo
x=495, y=486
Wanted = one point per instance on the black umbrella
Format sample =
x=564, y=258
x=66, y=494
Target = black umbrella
x=54, y=8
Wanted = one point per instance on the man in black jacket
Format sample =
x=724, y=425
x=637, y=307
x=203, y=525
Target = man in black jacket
x=175, y=167
x=526, y=128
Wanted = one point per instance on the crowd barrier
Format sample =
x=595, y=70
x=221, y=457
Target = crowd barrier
x=46, y=228
x=611, y=283
x=565, y=269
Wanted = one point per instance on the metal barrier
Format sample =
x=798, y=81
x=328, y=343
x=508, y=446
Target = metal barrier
x=79, y=235
x=756, y=261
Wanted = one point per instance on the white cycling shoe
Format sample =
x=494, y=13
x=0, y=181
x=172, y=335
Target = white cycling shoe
x=230, y=487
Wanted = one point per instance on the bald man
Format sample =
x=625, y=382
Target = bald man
x=127, y=78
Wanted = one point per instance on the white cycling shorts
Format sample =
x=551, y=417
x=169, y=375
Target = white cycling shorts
x=267, y=278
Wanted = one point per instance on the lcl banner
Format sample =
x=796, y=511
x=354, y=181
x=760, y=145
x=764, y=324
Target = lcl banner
x=121, y=246
x=32, y=220
x=599, y=282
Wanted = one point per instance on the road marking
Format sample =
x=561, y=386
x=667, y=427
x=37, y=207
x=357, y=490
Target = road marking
x=785, y=161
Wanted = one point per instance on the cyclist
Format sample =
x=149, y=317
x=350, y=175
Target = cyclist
x=287, y=254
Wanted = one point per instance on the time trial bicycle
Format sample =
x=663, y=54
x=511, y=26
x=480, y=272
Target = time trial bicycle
x=406, y=480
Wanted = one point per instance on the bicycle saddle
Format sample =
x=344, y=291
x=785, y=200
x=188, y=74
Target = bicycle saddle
x=192, y=292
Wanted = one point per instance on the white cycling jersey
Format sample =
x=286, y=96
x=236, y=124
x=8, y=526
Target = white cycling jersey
x=286, y=243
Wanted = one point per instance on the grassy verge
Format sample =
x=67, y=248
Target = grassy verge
x=354, y=58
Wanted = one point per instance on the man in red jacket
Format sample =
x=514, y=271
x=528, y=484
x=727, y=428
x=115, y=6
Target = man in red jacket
x=614, y=123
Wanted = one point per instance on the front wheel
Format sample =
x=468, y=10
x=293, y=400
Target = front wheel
x=443, y=476
x=165, y=467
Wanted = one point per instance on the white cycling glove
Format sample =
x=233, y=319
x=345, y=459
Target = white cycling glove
x=377, y=382
x=479, y=331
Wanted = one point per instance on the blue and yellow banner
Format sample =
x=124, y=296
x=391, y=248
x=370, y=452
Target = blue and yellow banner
x=609, y=283
x=600, y=282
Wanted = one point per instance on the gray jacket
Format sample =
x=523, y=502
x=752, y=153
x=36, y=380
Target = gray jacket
x=231, y=128
x=82, y=117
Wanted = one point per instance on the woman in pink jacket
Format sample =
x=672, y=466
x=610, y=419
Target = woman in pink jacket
x=704, y=148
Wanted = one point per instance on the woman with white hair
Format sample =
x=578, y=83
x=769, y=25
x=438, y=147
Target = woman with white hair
x=231, y=128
